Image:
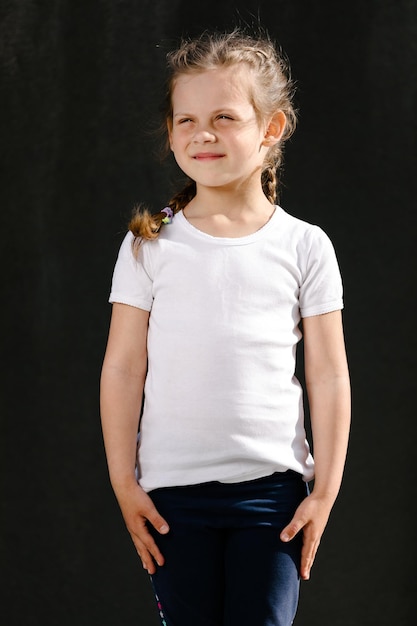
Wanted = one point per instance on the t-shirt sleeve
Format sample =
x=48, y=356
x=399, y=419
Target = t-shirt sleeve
x=131, y=283
x=321, y=290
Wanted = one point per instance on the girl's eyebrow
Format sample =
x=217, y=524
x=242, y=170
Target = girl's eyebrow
x=226, y=109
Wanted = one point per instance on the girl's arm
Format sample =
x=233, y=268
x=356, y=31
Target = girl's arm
x=121, y=390
x=328, y=390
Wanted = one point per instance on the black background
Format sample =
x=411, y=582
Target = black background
x=80, y=87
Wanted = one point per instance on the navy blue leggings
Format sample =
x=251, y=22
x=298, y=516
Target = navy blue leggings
x=225, y=564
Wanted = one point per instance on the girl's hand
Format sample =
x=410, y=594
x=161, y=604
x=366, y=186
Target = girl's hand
x=311, y=518
x=137, y=510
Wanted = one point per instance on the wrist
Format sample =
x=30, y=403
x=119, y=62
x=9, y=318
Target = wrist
x=324, y=492
x=122, y=482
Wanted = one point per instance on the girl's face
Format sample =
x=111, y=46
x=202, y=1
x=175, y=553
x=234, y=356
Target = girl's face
x=216, y=137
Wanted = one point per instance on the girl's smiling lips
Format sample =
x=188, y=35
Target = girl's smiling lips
x=207, y=156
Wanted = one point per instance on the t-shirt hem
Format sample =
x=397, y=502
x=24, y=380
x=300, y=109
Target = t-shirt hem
x=306, y=473
x=328, y=307
x=139, y=304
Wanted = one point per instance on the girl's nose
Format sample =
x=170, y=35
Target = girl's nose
x=204, y=136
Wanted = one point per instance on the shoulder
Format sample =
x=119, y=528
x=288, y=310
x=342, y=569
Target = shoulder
x=301, y=234
x=301, y=226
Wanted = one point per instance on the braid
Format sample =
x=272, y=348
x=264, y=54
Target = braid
x=146, y=225
x=270, y=183
x=183, y=197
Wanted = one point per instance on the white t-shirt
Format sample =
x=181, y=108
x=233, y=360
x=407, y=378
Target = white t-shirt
x=221, y=398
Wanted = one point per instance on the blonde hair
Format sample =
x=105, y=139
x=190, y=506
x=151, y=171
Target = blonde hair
x=272, y=91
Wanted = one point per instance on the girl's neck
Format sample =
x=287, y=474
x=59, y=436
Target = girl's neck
x=220, y=214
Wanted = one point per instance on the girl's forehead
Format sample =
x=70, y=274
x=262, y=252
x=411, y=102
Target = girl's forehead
x=231, y=82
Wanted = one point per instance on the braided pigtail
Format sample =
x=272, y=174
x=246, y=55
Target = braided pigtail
x=269, y=183
x=183, y=197
x=146, y=225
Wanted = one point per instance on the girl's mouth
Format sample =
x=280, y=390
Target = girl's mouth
x=207, y=156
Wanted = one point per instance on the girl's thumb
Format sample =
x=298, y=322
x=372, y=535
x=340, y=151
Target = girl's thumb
x=158, y=522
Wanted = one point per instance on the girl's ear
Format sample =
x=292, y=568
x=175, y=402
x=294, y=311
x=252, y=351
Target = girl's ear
x=275, y=129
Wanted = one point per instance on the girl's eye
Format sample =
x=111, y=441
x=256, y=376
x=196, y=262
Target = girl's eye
x=224, y=117
x=184, y=120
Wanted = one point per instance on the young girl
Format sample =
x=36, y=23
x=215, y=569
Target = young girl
x=210, y=297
